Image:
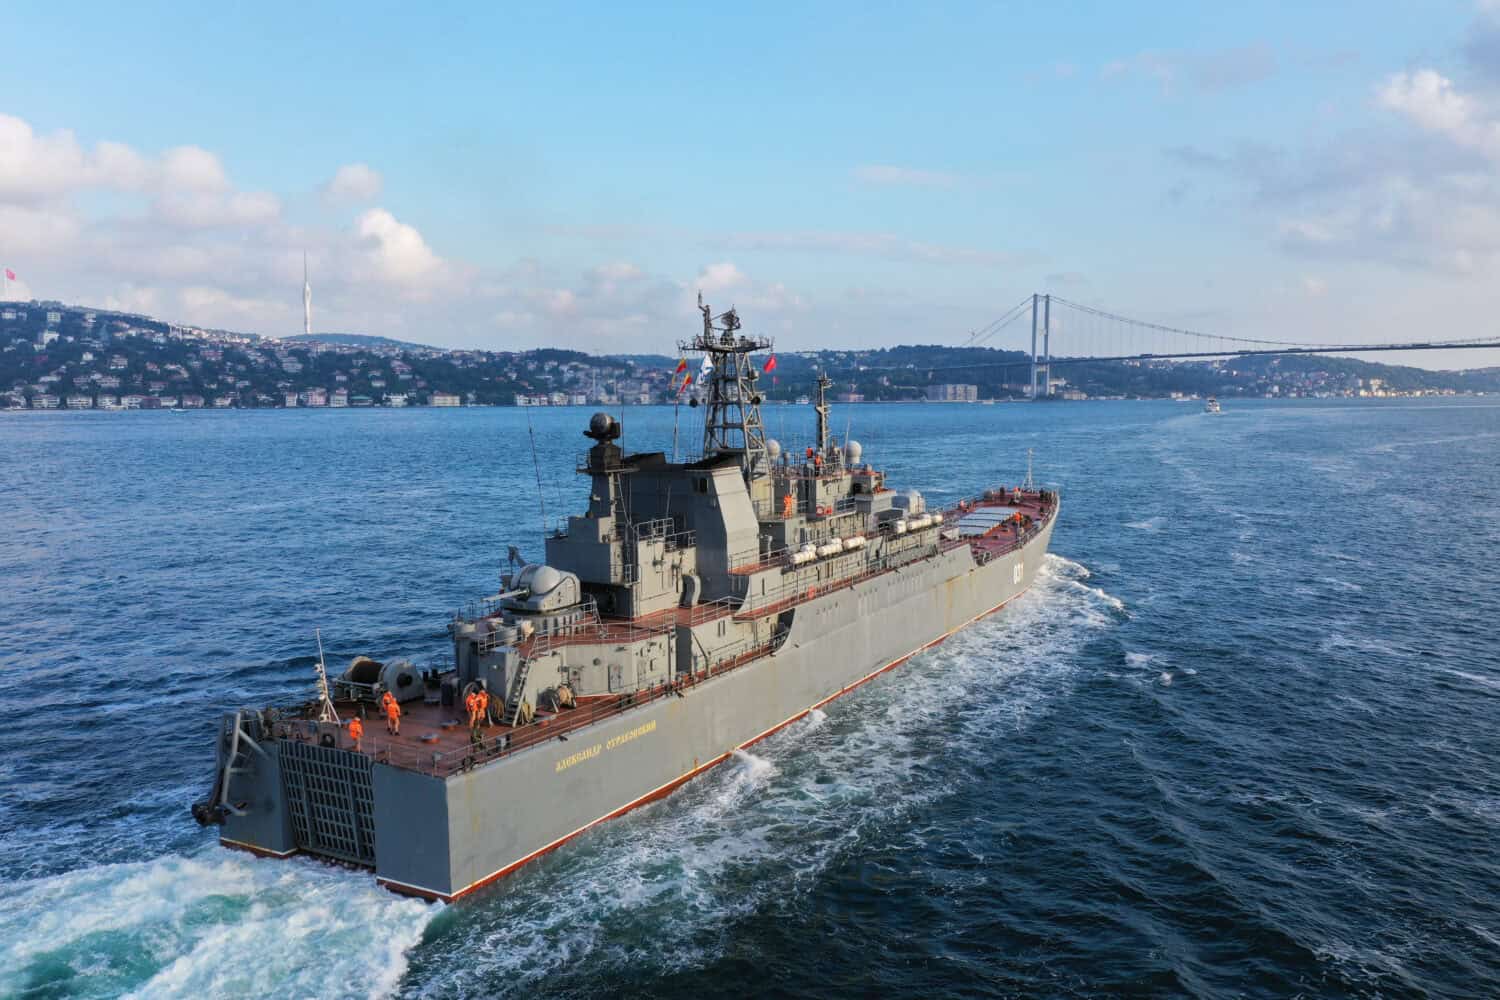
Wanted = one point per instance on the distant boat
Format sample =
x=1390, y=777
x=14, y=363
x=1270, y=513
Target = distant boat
x=802, y=400
x=1212, y=406
x=177, y=409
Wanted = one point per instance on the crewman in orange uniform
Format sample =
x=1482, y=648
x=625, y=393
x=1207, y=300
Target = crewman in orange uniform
x=471, y=702
x=393, y=717
x=386, y=701
x=482, y=717
x=356, y=731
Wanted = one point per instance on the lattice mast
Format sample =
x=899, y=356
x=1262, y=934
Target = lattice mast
x=825, y=443
x=731, y=418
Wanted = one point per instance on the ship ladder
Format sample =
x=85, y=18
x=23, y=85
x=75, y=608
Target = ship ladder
x=517, y=692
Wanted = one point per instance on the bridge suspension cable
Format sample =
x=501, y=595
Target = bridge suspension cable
x=1163, y=328
x=1014, y=313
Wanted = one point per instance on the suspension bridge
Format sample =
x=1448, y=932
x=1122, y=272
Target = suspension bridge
x=1093, y=335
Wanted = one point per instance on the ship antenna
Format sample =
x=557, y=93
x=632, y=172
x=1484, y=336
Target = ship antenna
x=1030, y=485
x=541, y=499
x=325, y=703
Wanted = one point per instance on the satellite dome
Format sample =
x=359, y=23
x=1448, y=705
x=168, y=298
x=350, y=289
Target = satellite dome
x=602, y=428
x=773, y=448
x=852, y=451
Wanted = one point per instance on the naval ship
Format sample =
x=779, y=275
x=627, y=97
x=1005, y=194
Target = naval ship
x=692, y=609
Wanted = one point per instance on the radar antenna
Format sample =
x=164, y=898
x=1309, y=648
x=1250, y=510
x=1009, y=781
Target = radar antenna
x=824, y=384
x=325, y=703
x=731, y=420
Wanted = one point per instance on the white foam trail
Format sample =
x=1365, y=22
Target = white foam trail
x=768, y=823
x=1138, y=659
x=1165, y=678
x=1151, y=524
x=1482, y=681
x=217, y=924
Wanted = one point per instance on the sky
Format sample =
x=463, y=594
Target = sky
x=844, y=175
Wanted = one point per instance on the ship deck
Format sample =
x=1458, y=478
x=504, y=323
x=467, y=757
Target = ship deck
x=434, y=738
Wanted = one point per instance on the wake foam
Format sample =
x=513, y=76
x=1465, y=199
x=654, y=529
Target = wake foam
x=665, y=885
x=216, y=924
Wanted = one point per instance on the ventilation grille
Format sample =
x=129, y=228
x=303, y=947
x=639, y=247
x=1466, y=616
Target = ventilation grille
x=329, y=796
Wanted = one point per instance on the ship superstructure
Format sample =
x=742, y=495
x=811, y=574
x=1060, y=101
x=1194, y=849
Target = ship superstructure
x=690, y=610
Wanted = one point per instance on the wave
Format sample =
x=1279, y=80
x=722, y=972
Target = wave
x=213, y=924
x=768, y=824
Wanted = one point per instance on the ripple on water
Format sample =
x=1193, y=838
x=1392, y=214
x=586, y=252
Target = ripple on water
x=765, y=826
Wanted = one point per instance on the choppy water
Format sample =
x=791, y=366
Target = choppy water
x=1243, y=738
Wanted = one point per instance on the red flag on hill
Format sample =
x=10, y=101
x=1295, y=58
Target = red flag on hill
x=770, y=364
x=10, y=275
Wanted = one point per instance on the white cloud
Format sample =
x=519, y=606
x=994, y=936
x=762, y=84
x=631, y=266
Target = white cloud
x=721, y=277
x=397, y=250
x=28, y=228
x=354, y=182
x=204, y=209
x=36, y=166
x=191, y=169
x=1430, y=100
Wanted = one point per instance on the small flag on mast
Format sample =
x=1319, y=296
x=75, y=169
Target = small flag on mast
x=681, y=366
x=707, y=367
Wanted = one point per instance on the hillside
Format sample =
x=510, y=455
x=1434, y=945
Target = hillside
x=66, y=356
x=360, y=340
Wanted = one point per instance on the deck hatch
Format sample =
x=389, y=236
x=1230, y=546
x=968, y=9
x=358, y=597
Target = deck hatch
x=331, y=800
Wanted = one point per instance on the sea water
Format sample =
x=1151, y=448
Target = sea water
x=1241, y=739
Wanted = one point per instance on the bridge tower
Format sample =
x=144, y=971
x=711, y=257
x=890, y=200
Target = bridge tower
x=1034, y=298
x=1041, y=308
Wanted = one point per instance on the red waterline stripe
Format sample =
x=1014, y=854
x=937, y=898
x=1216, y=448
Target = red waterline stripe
x=669, y=787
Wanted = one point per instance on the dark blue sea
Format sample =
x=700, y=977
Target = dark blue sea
x=1241, y=740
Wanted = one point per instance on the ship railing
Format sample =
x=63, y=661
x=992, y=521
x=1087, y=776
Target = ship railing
x=668, y=530
x=478, y=608
x=708, y=611
x=776, y=510
x=581, y=464
x=805, y=585
x=584, y=619
x=512, y=741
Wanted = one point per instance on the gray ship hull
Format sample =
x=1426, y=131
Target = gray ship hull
x=443, y=836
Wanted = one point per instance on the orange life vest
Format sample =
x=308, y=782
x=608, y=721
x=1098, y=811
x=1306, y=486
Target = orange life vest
x=393, y=709
x=356, y=729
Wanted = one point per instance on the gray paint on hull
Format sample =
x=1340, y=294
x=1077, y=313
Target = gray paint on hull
x=503, y=813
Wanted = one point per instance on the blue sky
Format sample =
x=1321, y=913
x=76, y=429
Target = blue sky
x=846, y=175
